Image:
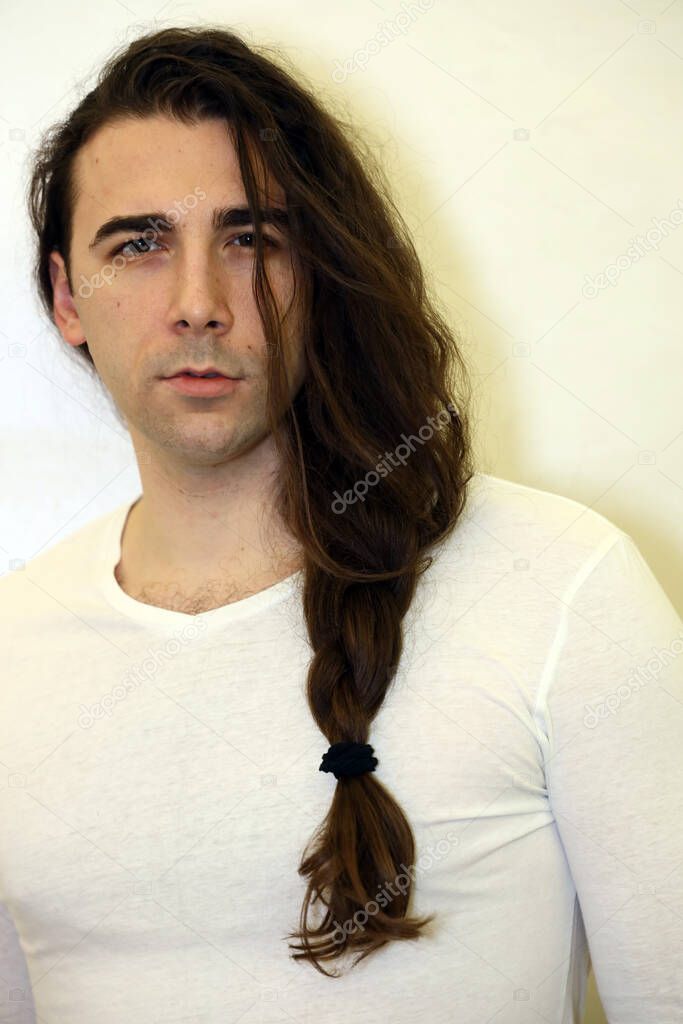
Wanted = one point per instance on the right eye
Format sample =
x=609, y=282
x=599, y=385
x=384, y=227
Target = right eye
x=139, y=244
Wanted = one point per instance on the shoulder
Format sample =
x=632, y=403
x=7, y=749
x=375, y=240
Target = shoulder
x=56, y=568
x=508, y=524
x=521, y=510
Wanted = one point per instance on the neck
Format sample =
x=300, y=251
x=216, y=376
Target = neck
x=214, y=530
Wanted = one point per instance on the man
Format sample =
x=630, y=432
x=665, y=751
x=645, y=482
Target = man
x=207, y=462
x=301, y=571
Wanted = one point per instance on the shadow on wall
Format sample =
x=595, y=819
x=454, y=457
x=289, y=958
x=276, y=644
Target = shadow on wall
x=594, y=1012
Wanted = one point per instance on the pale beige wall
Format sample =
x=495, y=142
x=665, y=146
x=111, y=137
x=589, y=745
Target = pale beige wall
x=535, y=151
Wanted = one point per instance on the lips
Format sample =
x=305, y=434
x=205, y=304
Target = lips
x=202, y=376
x=202, y=387
x=190, y=371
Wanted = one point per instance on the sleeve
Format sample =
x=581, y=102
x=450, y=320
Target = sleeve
x=16, y=997
x=612, y=710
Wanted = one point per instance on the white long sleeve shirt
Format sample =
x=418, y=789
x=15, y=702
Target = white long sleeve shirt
x=160, y=780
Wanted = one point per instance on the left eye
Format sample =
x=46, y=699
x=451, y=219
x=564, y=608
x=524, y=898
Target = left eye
x=252, y=234
x=140, y=245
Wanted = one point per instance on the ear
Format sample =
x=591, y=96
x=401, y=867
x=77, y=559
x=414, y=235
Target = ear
x=63, y=307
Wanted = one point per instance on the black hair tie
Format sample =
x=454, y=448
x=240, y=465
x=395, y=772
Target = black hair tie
x=348, y=759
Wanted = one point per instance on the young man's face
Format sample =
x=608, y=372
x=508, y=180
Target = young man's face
x=180, y=298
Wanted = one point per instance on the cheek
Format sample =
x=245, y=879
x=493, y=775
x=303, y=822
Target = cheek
x=107, y=307
x=126, y=319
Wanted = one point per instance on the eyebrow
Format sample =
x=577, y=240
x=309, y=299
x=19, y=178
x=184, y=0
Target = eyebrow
x=225, y=217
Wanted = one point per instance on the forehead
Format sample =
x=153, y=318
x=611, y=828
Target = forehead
x=152, y=162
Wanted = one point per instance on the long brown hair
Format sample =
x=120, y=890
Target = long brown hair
x=383, y=374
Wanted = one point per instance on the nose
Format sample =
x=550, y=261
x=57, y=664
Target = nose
x=200, y=296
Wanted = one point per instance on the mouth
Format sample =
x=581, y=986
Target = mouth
x=191, y=371
x=205, y=384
